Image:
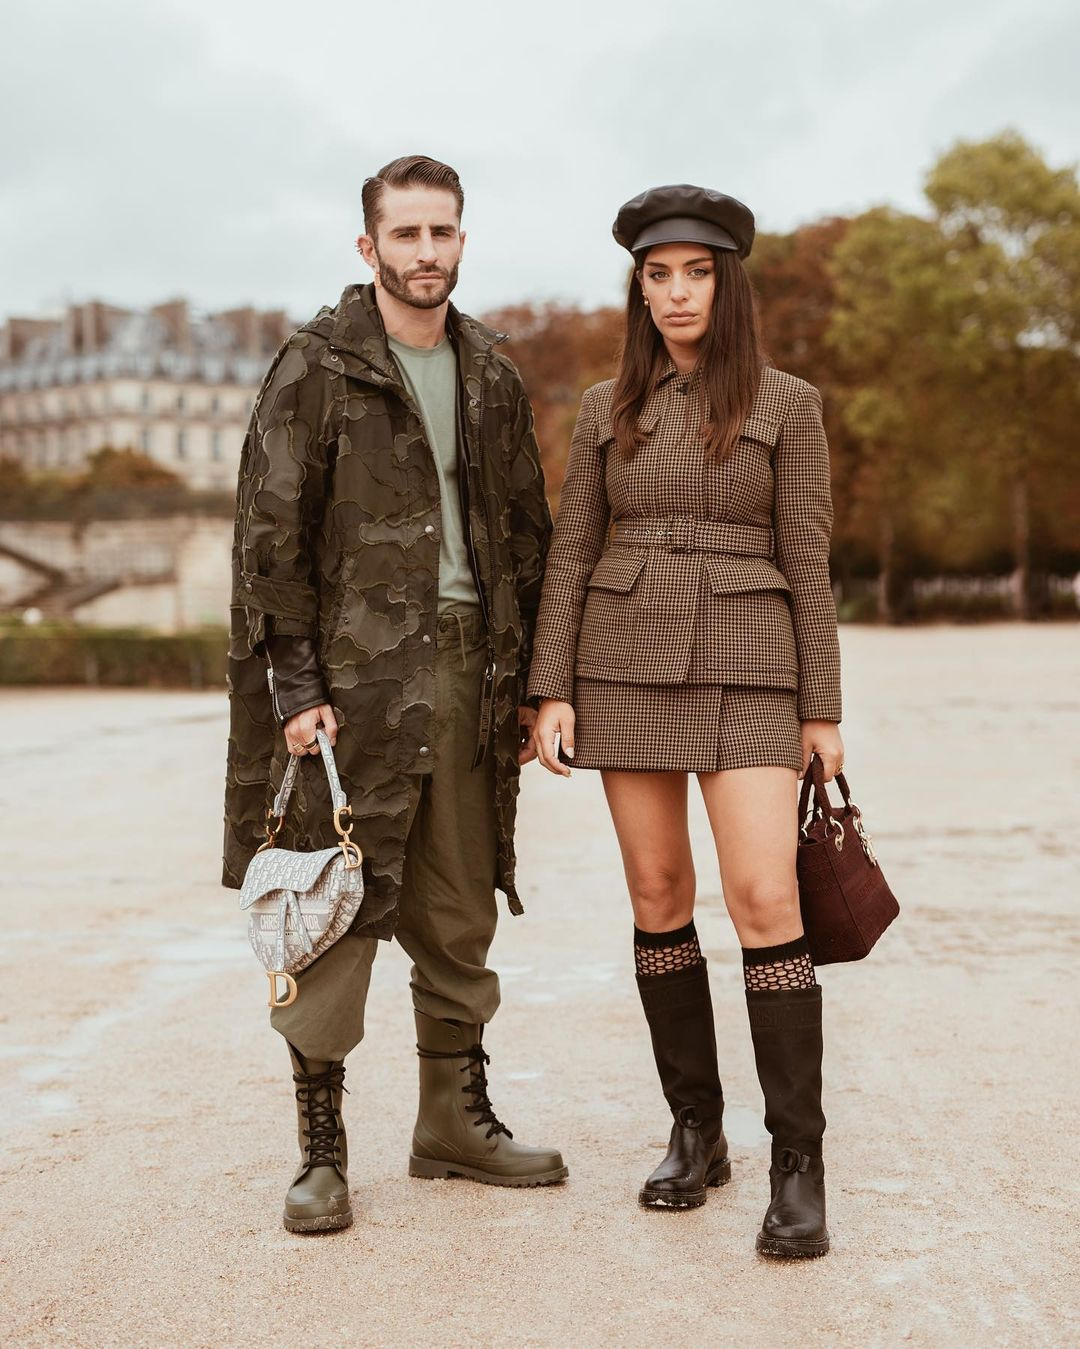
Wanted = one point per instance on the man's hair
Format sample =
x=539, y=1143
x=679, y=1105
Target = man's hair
x=408, y=171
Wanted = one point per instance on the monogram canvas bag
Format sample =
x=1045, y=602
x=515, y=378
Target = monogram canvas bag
x=299, y=903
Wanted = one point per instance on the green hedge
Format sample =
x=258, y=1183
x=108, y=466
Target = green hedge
x=121, y=657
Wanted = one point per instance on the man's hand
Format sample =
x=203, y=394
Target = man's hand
x=300, y=730
x=526, y=722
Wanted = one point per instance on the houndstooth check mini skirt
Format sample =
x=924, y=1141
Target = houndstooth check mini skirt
x=684, y=728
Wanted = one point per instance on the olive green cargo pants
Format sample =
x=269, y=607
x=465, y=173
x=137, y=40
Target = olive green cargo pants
x=448, y=909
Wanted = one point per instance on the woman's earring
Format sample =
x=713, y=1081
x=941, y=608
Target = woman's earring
x=645, y=301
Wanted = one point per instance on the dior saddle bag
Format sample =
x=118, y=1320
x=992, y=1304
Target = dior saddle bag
x=845, y=900
x=299, y=903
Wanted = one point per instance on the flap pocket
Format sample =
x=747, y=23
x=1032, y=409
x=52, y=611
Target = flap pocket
x=617, y=570
x=736, y=575
x=760, y=426
x=283, y=869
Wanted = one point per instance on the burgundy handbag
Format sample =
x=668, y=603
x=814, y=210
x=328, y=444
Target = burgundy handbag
x=845, y=900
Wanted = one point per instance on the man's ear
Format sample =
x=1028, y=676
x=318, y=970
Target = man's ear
x=365, y=246
x=461, y=237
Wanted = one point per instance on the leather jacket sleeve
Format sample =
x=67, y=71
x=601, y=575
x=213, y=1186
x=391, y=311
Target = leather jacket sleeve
x=296, y=681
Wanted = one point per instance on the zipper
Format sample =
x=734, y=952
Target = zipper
x=487, y=696
x=273, y=689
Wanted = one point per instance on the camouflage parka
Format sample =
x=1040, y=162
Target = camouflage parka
x=338, y=524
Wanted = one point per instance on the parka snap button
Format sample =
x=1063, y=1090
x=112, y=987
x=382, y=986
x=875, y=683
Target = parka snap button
x=248, y=585
x=429, y=529
x=424, y=750
x=426, y=639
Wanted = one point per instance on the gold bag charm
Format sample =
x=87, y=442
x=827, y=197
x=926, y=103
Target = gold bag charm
x=274, y=1000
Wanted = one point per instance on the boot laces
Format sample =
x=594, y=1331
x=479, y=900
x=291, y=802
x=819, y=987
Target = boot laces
x=478, y=1087
x=315, y=1093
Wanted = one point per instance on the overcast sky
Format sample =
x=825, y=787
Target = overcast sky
x=216, y=148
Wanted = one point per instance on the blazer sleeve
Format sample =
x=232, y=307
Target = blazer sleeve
x=530, y=530
x=284, y=477
x=802, y=523
x=580, y=531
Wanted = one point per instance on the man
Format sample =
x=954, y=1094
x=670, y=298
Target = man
x=390, y=540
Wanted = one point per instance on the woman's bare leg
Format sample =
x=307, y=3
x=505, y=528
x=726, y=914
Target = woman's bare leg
x=753, y=813
x=649, y=814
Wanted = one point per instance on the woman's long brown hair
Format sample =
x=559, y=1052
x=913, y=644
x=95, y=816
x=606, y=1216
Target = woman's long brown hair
x=731, y=360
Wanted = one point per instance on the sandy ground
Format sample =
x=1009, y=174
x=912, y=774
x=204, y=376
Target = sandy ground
x=147, y=1108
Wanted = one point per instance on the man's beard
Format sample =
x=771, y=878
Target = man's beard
x=397, y=284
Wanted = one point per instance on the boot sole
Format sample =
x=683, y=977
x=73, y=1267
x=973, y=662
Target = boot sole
x=424, y=1169
x=719, y=1174
x=329, y=1222
x=781, y=1248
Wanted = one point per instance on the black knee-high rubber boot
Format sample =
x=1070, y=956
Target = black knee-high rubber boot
x=678, y=1008
x=786, y=1028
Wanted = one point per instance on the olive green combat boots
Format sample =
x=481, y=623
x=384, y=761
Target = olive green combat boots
x=318, y=1198
x=457, y=1133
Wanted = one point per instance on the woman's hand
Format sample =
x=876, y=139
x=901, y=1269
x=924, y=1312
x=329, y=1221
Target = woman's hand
x=822, y=738
x=554, y=719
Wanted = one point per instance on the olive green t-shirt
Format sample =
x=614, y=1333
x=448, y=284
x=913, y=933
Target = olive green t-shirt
x=431, y=376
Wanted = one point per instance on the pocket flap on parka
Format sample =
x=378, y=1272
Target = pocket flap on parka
x=617, y=570
x=737, y=575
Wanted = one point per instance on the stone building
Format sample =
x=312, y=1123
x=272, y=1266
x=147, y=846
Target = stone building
x=174, y=384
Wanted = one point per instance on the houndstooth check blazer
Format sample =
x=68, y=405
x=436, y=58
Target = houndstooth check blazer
x=667, y=567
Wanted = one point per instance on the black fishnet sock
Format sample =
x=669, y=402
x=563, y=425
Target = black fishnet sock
x=772, y=968
x=664, y=952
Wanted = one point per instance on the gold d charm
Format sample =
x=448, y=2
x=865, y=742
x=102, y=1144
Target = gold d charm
x=290, y=982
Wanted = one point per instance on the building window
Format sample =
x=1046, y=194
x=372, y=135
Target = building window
x=180, y=401
x=145, y=440
x=215, y=405
x=215, y=445
x=181, y=444
x=144, y=400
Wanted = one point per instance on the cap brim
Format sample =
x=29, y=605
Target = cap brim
x=683, y=230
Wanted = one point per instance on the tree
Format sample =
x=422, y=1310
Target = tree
x=560, y=351
x=1012, y=221
x=118, y=469
x=889, y=331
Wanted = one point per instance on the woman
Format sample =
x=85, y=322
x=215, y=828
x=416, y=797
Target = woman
x=698, y=635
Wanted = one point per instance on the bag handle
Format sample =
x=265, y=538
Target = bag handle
x=275, y=815
x=337, y=796
x=815, y=778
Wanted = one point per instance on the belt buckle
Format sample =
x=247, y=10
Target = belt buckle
x=680, y=536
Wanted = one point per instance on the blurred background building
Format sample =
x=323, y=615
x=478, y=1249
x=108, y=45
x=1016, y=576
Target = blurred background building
x=175, y=385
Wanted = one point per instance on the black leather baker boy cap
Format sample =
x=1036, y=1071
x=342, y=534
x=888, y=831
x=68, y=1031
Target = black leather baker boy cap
x=682, y=213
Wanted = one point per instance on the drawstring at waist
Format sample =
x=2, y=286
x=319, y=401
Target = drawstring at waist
x=461, y=638
x=470, y=630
